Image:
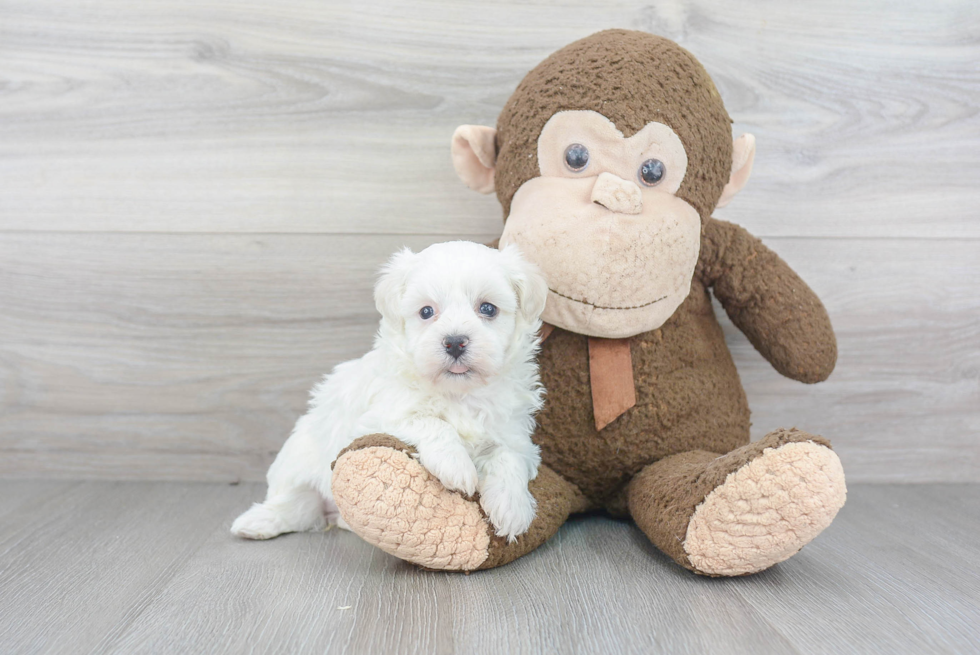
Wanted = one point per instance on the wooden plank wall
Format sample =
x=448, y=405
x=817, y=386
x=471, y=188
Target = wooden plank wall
x=194, y=197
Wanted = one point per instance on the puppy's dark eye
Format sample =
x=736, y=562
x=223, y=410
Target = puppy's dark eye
x=426, y=313
x=652, y=171
x=576, y=157
x=488, y=310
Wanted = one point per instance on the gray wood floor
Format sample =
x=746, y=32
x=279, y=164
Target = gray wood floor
x=150, y=567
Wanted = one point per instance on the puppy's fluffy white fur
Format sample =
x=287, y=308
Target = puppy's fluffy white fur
x=470, y=417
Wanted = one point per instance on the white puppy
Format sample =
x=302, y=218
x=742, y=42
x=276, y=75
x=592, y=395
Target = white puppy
x=452, y=373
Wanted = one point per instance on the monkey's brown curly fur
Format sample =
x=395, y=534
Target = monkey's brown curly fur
x=631, y=78
x=689, y=396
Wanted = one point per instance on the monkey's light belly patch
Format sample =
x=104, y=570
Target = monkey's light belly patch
x=392, y=502
x=767, y=510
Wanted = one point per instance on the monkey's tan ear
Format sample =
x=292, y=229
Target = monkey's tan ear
x=475, y=155
x=743, y=154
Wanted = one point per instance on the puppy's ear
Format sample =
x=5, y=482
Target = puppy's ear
x=529, y=283
x=391, y=283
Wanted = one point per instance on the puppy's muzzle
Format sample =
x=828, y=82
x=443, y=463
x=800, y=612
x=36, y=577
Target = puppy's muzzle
x=456, y=345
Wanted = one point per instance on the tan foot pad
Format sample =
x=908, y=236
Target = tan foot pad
x=767, y=510
x=392, y=502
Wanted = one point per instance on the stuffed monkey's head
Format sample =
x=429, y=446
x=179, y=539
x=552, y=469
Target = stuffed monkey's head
x=607, y=159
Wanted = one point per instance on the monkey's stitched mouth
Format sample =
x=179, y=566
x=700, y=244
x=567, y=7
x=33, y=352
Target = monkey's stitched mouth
x=586, y=302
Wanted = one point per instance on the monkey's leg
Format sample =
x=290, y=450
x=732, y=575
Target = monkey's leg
x=742, y=512
x=388, y=499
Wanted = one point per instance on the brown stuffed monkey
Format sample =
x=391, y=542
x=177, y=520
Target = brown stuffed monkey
x=608, y=160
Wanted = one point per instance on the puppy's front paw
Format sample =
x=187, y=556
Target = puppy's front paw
x=511, y=509
x=454, y=469
x=259, y=522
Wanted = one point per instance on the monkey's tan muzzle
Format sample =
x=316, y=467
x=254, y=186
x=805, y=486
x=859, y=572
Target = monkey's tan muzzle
x=617, y=195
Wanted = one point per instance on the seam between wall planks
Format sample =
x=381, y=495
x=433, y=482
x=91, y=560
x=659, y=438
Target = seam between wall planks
x=450, y=235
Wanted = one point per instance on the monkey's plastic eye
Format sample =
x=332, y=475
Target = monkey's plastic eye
x=652, y=171
x=488, y=310
x=576, y=157
x=426, y=313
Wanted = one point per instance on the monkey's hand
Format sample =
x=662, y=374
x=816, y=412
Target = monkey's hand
x=768, y=302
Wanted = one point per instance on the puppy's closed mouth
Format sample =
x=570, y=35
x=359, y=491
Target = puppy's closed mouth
x=459, y=369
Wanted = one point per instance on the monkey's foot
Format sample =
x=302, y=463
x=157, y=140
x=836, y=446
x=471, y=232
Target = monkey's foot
x=391, y=501
x=388, y=499
x=759, y=504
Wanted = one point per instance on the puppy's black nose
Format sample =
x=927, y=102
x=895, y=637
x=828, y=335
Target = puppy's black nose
x=455, y=345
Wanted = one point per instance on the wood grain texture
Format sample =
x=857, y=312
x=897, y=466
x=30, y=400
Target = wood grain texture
x=195, y=197
x=892, y=574
x=306, y=116
x=123, y=351
x=81, y=564
x=190, y=356
x=151, y=568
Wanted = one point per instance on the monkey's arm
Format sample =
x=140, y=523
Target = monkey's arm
x=768, y=301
